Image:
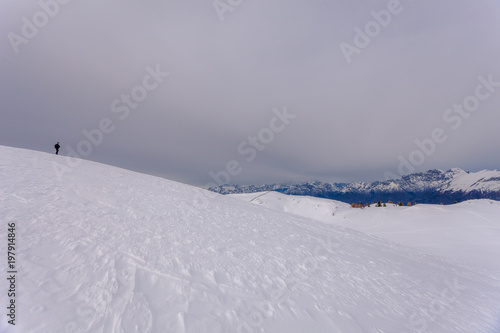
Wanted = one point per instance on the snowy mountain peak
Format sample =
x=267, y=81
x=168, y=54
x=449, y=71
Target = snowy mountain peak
x=433, y=186
x=457, y=171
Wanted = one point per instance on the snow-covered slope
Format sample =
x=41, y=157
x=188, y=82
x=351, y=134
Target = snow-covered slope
x=433, y=186
x=109, y=250
x=468, y=232
x=305, y=206
x=485, y=180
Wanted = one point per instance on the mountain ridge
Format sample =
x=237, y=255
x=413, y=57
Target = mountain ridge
x=434, y=186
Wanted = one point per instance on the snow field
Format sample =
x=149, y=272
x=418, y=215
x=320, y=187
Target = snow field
x=109, y=250
x=468, y=232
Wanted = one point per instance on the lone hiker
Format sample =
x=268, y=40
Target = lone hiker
x=56, y=146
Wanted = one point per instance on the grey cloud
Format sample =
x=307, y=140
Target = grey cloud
x=353, y=120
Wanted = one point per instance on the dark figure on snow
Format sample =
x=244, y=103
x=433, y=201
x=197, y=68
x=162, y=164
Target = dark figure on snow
x=56, y=146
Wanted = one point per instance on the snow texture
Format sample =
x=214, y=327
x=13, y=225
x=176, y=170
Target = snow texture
x=468, y=232
x=104, y=249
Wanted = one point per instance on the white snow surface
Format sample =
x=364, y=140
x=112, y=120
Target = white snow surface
x=468, y=232
x=109, y=250
x=486, y=180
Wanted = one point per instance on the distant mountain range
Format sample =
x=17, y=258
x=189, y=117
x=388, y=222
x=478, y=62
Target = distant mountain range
x=433, y=186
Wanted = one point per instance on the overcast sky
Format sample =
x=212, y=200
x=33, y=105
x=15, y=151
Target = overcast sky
x=257, y=91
